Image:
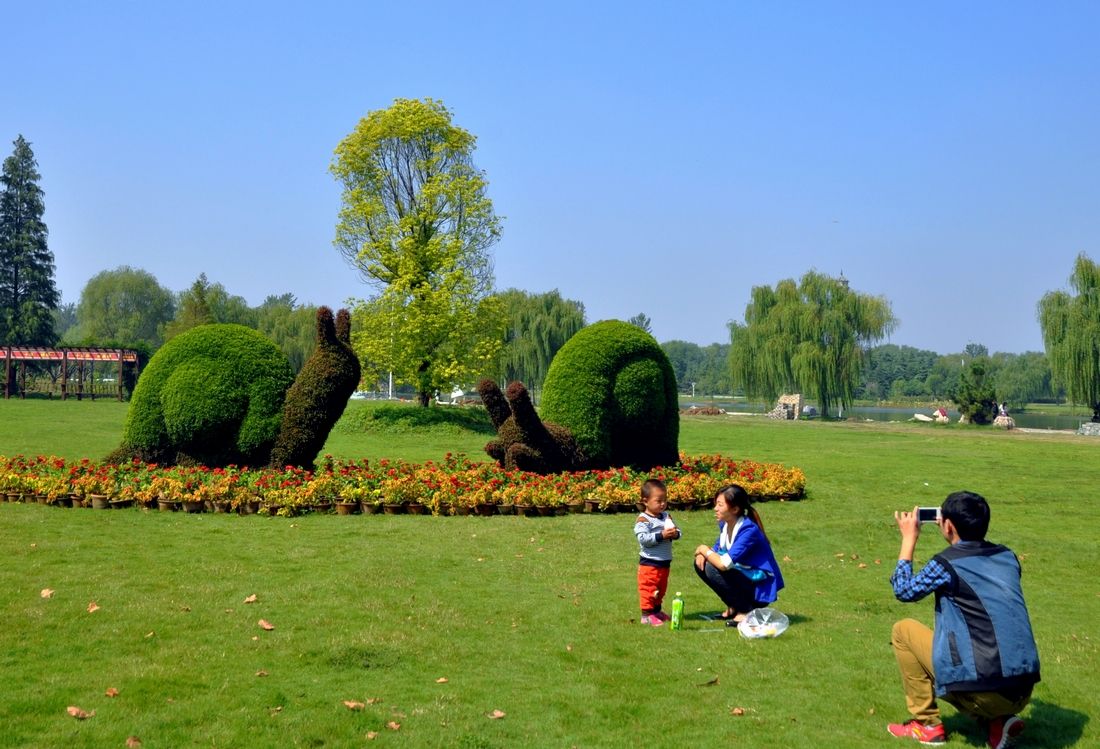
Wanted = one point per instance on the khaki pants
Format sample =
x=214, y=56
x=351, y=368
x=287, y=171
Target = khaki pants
x=912, y=643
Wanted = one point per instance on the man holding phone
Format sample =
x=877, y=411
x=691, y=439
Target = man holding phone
x=982, y=656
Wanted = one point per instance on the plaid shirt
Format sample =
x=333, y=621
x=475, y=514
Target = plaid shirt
x=909, y=587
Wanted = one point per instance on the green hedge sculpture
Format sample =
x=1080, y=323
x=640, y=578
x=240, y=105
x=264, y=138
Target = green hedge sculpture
x=217, y=395
x=609, y=400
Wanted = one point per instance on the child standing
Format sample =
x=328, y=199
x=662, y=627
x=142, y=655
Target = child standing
x=656, y=532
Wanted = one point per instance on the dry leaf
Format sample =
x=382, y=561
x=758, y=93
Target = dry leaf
x=393, y=725
x=862, y=565
x=372, y=735
x=353, y=705
x=111, y=692
x=496, y=715
x=47, y=592
x=77, y=713
x=855, y=556
x=132, y=742
x=93, y=607
x=34, y=546
x=276, y=709
x=787, y=559
x=266, y=625
x=712, y=683
x=738, y=711
x=878, y=561
x=838, y=555
x=441, y=680
x=250, y=599
x=185, y=608
x=254, y=638
x=261, y=672
x=569, y=648
x=871, y=711
x=373, y=700
x=149, y=634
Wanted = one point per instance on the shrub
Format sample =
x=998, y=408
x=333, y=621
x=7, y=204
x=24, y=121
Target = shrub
x=975, y=396
x=613, y=387
x=213, y=395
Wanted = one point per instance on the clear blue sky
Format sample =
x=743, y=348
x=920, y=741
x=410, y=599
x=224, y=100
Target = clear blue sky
x=657, y=157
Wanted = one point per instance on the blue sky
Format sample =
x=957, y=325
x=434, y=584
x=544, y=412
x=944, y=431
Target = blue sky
x=647, y=157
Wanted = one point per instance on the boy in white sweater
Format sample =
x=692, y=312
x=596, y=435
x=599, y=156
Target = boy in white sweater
x=656, y=532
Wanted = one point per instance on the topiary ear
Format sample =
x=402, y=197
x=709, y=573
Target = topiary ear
x=343, y=327
x=326, y=328
x=494, y=402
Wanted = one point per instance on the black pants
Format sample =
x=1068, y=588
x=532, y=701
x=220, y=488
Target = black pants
x=735, y=590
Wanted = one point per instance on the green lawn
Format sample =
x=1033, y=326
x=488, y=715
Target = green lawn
x=533, y=617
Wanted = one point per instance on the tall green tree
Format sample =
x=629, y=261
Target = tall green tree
x=28, y=295
x=536, y=326
x=205, y=302
x=1071, y=334
x=809, y=336
x=417, y=224
x=975, y=395
x=291, y=325
x=125, y=305
x=642, y=320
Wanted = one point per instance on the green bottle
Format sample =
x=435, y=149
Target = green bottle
x=677, y=622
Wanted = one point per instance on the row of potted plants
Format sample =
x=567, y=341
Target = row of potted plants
x=453, y=486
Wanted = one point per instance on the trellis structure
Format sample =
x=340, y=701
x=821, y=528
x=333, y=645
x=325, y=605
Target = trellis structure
x=73, y=365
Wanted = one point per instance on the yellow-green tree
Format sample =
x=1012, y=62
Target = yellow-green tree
x=809, y=336
x=417, y=224
x=1071, y=333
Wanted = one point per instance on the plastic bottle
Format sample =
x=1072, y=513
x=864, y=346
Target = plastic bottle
x=677, y=622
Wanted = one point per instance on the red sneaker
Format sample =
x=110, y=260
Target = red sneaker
x=1003, y=731
x=914, y=729
x=662, y=616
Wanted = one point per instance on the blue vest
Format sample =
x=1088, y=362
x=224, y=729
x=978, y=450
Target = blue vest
x=983, y=640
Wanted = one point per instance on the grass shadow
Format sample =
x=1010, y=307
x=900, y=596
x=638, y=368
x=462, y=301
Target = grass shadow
x=1049, y=726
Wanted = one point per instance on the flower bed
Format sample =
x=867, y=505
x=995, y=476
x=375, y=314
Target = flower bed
x=453, y=486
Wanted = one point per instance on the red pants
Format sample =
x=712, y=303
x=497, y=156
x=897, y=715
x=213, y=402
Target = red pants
x=652, y=584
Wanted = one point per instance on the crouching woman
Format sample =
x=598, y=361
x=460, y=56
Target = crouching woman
x=740, y=567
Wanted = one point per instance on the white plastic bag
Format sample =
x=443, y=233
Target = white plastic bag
x=763, y=623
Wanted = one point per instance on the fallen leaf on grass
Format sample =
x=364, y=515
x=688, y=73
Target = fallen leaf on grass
x=149, y=634
x=277, y=709
x=77, y=713
x=254, y=638
x=372, y=735
x=185, y=609
x=855, y=556
x=495, y=715
x=441, y=680
x=353, y=705
x=787, y=559
x=250, y=599
x=862, y=565
x=839, y=555
x=111, y=692
x=878, y=561
x=871, y=711
x=373, y=700
x=132, y=742
x=393, y=725
x=569, y=648
x=47, y=592
x=266, y=625
x=712, y=683
x=738, y=711
x=34, y=546
x=261, y=672
x=93, y=607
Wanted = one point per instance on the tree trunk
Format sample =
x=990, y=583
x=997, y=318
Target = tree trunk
x=424, y=398
x=1096, y=412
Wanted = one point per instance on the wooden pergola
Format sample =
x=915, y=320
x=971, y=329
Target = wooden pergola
x=80, y=361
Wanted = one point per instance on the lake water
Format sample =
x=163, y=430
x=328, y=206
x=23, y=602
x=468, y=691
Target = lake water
x=1025, y=419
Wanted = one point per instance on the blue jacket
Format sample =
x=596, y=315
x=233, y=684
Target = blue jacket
x=751, y=549
x=983, y=640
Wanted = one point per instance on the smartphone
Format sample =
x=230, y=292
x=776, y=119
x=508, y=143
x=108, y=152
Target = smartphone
x=928, y=514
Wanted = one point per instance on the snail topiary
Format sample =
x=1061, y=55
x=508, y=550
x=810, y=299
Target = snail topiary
x=613, y=387
x=218, y=395
x=524, y=442
x=609, y=400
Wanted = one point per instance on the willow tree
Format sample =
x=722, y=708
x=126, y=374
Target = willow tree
x=1071, y=334
x=809, y=336
x=537, y=325
x=417, y=224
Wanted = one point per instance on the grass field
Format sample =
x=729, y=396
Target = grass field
x=531, y=617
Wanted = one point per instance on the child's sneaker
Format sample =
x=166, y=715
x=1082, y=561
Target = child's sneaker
x=1003, y=731
x=652, y=620
x=662, y=616
x=914, y=729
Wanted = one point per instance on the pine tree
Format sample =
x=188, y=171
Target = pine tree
x=28, y=295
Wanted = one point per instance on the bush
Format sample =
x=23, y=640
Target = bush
x=975, y=396
x=613, y=387
x=213, y=395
